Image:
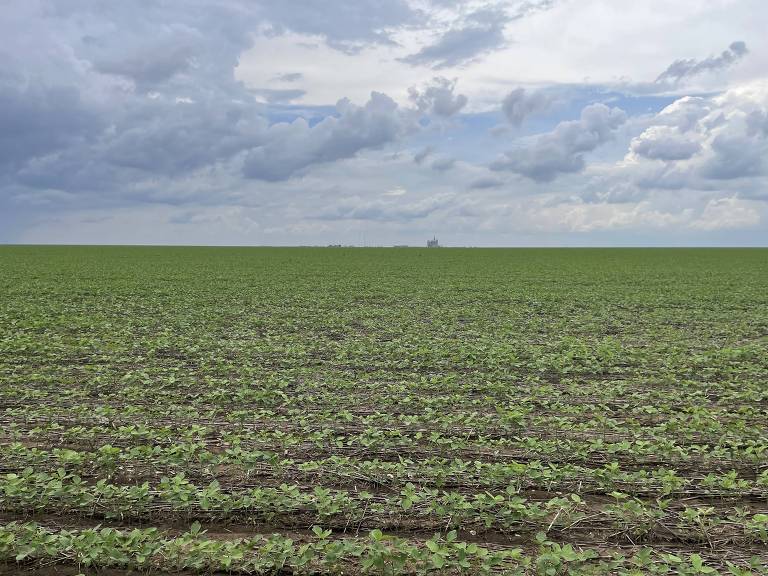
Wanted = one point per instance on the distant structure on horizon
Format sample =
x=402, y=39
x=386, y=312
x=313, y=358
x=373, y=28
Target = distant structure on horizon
x=433, y=243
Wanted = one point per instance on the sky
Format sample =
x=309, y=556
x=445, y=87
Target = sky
x=381, y=122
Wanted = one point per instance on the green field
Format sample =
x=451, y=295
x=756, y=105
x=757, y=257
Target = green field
x=383, y=411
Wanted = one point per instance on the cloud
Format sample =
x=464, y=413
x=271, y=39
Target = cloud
x=684, y=113
x=173, y=138
x=384, y=209
x=290, y=147
x=147, y=139
x=438, y=98
x=36, y=120
x=704, y=142
x=562, y=151
x=289, y=77
x=665, y=143
x=279, y=95
x=734, y=156
x=704, y=75
x=757, y=123
x=156, y=45
x=478, y=34
x=585, y=218
x=726, y=213
x=346, y=25
x=147, y=93
x=473, y=35
x=422, y=154
x=440, y=163
x=485, y=183
x=140, y=112
x=547, y=215
x=444, y=163
x=148, y=66
x=519, y=104
x=680, y=70
x=116, y=94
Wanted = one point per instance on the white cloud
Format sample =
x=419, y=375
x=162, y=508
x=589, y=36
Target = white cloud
x=727, y=213
x=703, y=142
x=586, y=218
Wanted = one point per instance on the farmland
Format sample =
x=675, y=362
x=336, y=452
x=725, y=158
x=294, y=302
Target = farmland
x=383, y=411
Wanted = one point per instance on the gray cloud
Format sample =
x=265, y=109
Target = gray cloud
x=291, y=147
x=443, y=164
x=289, y=77
x=685, y=72
x=480, y=33
x=474, y=35
x=438, y=98
x=147, y=66
x=157, y=45
x=356, y=208
x=151, y=42
x=519, y=104
x=665, y=143
x=36, y=120
x=562, y=150
x=147, y=91
x=485, y=183
x=422, y=154
x=115, y=108
x=757, y=123
x=735, y=156
x=686, y=68
x=173, y=138
x=345, y=24
x=156, y=138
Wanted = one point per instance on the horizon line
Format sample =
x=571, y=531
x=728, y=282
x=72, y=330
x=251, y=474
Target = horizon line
x=382, y=246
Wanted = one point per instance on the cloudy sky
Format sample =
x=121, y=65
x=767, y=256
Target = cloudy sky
x=486, y=123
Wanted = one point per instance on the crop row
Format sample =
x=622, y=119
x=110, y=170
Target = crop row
x=699, y=424
x=624, y=516
x=240, y=465
x=736, y=452
x=513, y=398
x=378, y=554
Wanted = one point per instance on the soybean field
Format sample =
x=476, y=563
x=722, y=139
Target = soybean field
x=383, y=411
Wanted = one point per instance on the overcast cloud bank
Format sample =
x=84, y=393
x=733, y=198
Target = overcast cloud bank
x=170, y=122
